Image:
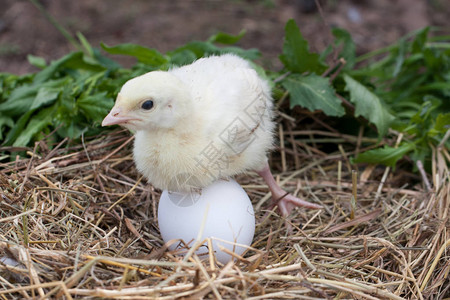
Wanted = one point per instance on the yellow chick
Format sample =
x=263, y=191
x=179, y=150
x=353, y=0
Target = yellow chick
x=198, y=123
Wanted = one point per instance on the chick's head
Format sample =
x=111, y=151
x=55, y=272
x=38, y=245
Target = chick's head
x=152, y=101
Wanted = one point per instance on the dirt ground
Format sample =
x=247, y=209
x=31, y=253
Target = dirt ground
x=165, y=25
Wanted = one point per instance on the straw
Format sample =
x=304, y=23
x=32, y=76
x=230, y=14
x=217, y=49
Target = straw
x=79, y=221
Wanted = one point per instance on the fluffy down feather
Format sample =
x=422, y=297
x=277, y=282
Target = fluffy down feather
x=214, y=121
x=195, y=124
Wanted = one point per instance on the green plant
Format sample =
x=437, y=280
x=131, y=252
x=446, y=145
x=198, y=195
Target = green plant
x=72, y=94
x=413, y=79
x=402, y=88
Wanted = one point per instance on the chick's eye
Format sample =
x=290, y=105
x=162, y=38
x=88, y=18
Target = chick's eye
x=147, y=105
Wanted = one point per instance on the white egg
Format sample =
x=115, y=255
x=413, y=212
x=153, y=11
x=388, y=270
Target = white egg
x=229, y=217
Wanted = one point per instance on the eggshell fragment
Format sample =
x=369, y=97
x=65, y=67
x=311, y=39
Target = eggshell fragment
x=229, y=215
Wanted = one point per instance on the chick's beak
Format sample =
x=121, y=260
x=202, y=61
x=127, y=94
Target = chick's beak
x=116, y=116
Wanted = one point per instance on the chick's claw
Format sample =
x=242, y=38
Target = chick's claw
x=285, y=201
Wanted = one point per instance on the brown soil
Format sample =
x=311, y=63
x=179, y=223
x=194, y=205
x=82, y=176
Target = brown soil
x=165, y=25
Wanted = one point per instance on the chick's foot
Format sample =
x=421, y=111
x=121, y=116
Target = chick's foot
x=285, y=201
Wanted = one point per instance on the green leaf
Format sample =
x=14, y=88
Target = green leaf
x=387, y=155
x=348, y=51
x=95, y=107
x=399, y=54
x=105, y=61
x=430, y=104
x=86, y=45
x=313, y=92
x=18, y=128
x=420, y=153
x=22, y=92
x=443, y=87
x=35, y=126
x=71, y=129
x=433, y=59
x=144, y=55
x=368, y=105
x=200, y=49
x=182, y=57
x=225, y=38
x=82, y=62
x=45, y=96
x=420, y=40
x=296, y=56
x=74, y=60
x=37, y=61
x=249, y=54
x=442, y=123
x=22, y=98
x=18, y=105
x=4, y=120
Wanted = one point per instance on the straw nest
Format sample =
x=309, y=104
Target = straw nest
x=78, y=221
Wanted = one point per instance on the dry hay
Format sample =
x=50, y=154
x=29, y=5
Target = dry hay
x=79, y=222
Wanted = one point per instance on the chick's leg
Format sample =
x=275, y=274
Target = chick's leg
x=285, y=201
